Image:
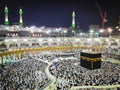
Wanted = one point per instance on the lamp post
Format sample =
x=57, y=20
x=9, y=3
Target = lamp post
x=91, y=33
x=48, y=33
x=110, y=31
x=58, y=30
x=65, y=33
x=101, y=32
x=73, y=33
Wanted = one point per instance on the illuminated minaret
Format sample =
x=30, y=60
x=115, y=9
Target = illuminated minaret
x=73, y=20
x=21, y=19
x=6, y=16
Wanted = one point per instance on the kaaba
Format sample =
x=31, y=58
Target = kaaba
x=90, y=60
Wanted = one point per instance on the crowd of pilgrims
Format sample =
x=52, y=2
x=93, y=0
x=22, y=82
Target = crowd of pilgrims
x=29, y=73
x=26, y=74
x=72, y=74
x=76, y=75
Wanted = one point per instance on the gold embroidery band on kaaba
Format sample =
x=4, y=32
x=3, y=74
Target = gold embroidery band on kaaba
x=91, y=59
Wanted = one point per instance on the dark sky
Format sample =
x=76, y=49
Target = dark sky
x=57, y=13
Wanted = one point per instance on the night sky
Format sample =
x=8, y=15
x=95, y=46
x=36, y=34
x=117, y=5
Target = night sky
x=57, y=13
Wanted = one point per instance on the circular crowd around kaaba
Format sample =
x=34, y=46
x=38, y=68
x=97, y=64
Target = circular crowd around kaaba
x=29, y=73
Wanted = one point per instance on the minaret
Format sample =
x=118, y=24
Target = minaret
x=6, y=16
x=21, y=19
x=73, y=20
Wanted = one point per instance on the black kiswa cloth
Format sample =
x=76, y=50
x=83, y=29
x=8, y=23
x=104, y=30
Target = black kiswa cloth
x=90, y=60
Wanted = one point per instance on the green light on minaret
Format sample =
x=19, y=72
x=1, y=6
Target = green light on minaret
x=6, y=16
x=6, y=23
x=73, y=25
x=73, y=14
x=20, y=13
x=6, y=10
x=73, y=20
x=21, y=24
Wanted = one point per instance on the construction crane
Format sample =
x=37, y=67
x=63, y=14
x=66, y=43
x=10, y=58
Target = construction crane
x=103, y=15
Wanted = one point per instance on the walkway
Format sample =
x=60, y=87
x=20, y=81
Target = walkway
x=52, y=86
